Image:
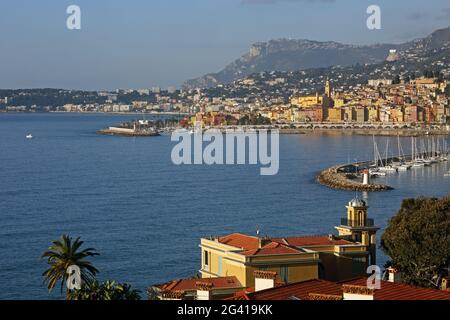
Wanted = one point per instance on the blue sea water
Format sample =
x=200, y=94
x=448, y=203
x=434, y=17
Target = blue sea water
x=145, y=215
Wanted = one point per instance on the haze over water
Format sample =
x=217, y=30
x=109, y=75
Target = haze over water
x=145, y=215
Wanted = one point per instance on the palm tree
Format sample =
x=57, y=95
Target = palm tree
x=109, y=290
x=63, y=254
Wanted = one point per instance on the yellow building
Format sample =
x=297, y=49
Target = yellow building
x=339, y=102
x=374, y=114
x=307, y=101
x=398, y=115
x=429, y=83
x=311, y=101
x=335, y=114
x=293, y=259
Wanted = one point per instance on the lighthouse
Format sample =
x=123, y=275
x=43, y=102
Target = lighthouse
x=366, y=177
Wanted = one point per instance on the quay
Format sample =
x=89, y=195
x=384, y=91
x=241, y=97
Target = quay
x=334, y=128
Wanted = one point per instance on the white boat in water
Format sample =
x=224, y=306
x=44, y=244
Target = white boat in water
x=418, y=164
x=387, y=169
x=376, y=173
x=29, y=136
x=404, y=167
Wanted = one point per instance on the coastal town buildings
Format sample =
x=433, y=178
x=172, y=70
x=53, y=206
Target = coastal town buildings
x=245, y=267
x=421, y=101
x=380, y=101
x=237, y=263
x=295, y=258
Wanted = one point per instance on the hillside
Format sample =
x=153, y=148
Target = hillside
x=292, y=55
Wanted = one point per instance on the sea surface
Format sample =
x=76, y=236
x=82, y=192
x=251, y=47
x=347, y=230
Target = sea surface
x=145, y=215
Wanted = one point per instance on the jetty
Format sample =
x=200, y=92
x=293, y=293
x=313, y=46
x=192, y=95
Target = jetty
x=341, y=177
x=140, y=128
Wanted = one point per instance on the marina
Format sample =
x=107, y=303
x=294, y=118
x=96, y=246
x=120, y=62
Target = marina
x=356, y=176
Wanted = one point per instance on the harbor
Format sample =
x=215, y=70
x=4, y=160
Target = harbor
x=357, y=176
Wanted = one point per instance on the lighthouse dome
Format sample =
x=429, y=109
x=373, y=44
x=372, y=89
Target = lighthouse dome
x=357, y=203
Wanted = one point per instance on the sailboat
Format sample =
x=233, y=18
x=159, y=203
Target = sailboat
x=388, y=168
x=416, y=161
x=374, y=171
x=403, y=165
x=424, y=153
x=443, y=155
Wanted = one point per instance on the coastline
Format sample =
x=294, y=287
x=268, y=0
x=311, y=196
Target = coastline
x=383, y=129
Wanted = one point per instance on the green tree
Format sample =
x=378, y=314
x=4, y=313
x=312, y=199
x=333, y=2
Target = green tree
x=447, y=90
x=64, y=253
x=109, y=290
x=417, y=240
x=396, y=79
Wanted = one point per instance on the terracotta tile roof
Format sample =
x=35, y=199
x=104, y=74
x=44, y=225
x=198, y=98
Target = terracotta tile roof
x=311, y=241
x=298, y=291
x=192, y=284
x=400, y=291
x=239, y=240
x=242, y=294
x=315, y=289
x=250, y=244
x=272, y=248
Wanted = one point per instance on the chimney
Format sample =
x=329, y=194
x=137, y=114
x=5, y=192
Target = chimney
x=352, y=292
x=204, y=290
x=394, y=275
x=444, y=284
x=264, y=280
x=263, y=241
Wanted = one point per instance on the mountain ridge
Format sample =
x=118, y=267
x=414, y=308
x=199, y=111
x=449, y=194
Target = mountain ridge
x=295, y=54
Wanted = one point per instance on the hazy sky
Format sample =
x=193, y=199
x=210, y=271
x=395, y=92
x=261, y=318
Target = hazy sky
x=145, y=43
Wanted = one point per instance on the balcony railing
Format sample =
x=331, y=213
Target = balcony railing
x=354, y=223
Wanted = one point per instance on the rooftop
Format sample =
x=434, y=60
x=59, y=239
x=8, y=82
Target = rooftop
x=314, y=289
x=272, y=248
x=311, y=241
x=247, y=242
x=191, y=284
x=240, y=240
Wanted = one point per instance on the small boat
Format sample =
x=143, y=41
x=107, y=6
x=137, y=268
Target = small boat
x=375, y=173
x=29, y=136
x=418, y=164
x=447, y=174
x=388, y=169
x=404, y=167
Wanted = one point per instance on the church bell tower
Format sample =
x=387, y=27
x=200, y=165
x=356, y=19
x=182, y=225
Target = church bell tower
x=328, y=89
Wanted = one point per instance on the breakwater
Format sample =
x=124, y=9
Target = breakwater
x=339, y=177
x=128, y=132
